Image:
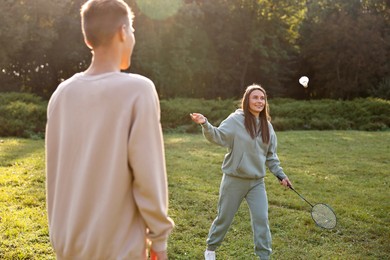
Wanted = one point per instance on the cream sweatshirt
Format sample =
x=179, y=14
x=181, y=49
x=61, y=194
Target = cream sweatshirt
x=105, y=168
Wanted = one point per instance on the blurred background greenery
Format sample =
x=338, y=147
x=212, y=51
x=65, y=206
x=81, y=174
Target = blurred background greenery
x=212, y=49
x=24, y=114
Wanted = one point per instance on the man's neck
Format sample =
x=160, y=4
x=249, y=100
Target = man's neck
x=103, y=62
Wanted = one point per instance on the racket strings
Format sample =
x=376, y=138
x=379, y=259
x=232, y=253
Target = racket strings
x=324, y=216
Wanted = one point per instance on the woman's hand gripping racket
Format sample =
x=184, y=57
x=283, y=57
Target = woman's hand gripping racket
x=322, y=214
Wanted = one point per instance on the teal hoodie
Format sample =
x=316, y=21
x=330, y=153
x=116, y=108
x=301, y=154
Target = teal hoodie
x=245, y=157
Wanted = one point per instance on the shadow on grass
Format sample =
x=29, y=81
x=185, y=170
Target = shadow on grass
x=13, y=150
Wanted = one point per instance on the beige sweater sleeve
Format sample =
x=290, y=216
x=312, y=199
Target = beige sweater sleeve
x=147, y=162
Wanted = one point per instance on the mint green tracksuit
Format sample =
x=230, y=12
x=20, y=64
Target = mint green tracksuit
x=243, y=169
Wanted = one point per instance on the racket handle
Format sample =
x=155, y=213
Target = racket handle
x=281, y=179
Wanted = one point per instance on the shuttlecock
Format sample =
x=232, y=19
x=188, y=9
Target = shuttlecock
x=304, y=81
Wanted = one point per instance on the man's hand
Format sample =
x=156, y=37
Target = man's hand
x=162, y=255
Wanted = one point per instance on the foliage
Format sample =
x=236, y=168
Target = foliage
x=382, y=90
x=327, y=166
x=186, y=55
x=43, y=49
x=345, y=47
x=175, y=113
x=287, y=114
x=22, y=115
x=210, y=49
x=359, y=114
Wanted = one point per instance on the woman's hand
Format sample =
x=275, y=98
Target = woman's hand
x=286, y=182
x=198, y=118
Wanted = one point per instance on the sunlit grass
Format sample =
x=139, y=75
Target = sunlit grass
x=345, y=169
x=23, y=223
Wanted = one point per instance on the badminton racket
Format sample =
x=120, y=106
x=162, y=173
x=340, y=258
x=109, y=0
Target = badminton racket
x=322, y=214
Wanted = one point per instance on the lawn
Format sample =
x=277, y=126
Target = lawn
x=348, y=170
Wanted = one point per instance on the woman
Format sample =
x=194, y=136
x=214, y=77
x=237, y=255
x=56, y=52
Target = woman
x=251, y=143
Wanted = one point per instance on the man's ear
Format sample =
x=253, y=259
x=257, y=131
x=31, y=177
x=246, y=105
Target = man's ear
x=122, y=33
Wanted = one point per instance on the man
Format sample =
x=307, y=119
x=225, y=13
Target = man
x=106, y=179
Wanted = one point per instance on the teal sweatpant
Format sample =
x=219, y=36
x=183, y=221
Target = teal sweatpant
x=232, y=191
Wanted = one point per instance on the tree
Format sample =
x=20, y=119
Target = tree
x=345, y=47
x=252, y=41
x=27, y=65
x=216, y=48
x=211, y=49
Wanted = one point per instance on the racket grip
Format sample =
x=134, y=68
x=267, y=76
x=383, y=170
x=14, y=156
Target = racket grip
x=281, y=179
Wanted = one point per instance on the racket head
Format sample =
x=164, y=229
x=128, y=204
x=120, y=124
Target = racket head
x=324, y=216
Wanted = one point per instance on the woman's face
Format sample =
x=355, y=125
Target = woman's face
x=256, y=102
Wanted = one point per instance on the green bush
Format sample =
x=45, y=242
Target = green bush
x=22, y=115
x=368, y=114
x=175, y=113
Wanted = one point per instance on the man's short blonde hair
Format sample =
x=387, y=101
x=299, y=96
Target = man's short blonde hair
x=101, y=19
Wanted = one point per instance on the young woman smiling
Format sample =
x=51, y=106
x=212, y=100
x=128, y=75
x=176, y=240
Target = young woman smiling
x=251, y=142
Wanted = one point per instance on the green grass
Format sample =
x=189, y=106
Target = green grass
x=348, y=170
x=23, y=223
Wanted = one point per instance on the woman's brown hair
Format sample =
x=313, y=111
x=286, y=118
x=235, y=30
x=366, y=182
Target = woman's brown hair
x=250, y=120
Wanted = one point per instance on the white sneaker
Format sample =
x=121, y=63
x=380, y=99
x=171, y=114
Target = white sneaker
x=209, y=255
